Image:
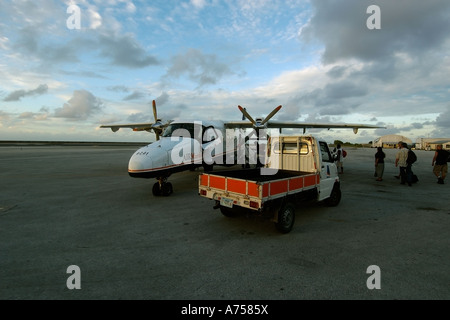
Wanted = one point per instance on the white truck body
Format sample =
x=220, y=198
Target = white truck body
x=299, y=168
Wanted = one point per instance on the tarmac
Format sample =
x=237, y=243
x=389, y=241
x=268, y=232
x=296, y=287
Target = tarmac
x=62, y=206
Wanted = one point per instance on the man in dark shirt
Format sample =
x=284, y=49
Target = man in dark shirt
x=440, y=163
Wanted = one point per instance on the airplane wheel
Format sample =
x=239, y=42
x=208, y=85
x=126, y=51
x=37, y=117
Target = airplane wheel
x=167, y=189
x=156, y=189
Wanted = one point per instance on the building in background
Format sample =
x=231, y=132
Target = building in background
x=390, y=141
x=431, y=143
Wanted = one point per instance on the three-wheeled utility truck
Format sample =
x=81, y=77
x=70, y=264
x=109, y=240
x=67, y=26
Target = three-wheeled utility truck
x=299, y=169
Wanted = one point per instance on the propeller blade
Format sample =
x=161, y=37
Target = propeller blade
x=155, y=114
x=245, y=113
x=271, y=115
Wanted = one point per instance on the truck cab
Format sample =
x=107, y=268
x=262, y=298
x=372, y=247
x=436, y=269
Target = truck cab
x=298, y=169
x=304, y=154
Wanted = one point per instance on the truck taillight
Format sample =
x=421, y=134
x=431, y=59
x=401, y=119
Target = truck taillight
x=254, y=204
x=203, y=192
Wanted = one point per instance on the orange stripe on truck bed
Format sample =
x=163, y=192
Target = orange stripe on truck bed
x=237, y=186
x=295, y=184
x=278, y=187
x=217, y=182
x=310, y=180
x=253, y=190
x=204, y=180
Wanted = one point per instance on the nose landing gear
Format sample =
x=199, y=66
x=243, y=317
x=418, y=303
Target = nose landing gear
x=162, y=187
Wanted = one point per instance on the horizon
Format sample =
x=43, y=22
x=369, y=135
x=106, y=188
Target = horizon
x=69, y=67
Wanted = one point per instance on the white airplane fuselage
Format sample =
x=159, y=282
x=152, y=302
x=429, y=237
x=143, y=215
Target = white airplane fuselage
x=182, y=147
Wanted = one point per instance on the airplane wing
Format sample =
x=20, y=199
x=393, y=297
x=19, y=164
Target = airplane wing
x=157, y=126
x=135, y=126
x=302, y=125
x=265, y=123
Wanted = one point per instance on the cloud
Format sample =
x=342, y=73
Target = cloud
x=34, y=115
x=95, y=19
x=80, y=106
x=162, y=99
x=443, y=119
x=139, y=118
x=199, y=4
x=410, y=26
x=201, y=68
x=4, y=116
x=125, y=51
x=19, y=94
x=134, y=96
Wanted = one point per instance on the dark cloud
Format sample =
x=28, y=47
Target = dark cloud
x=201, y=68
x=335, y=98
x=443, y=120
x=87, y=74
x=134, y=96
x=119, y=89
x=125, y=51
x=412, y=26
x=162, y=99
x=139, y=118
x=19, y=94
x=337, y=72
x=80, y=106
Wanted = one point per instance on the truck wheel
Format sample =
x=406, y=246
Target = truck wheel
x=335, y=197
x=286, y=218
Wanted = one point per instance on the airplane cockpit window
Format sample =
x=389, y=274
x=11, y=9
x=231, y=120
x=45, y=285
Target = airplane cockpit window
x=182, y=130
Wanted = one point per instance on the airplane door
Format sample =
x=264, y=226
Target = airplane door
x=328, y=171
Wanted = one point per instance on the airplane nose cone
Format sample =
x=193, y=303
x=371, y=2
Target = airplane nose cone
x=148, y=161
x=140, y=161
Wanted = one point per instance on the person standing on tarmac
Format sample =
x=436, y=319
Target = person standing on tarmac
x=339, y=159
x=440, y=163
x=379, y=163
x=405, y=168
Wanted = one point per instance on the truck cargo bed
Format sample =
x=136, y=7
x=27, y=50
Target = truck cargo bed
x=255, y=174
x=250, y=189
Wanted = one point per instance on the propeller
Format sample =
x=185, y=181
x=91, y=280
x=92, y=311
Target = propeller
x=259, y=123
x=158, y=126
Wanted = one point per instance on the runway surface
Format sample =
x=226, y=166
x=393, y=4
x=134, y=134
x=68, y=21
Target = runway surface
x=76, y=205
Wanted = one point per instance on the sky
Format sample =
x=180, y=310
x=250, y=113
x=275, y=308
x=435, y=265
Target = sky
x=67, y=67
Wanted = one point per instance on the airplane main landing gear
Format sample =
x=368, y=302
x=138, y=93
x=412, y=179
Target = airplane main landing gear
x=162, y=188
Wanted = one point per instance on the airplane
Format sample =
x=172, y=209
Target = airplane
x=186, y=145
